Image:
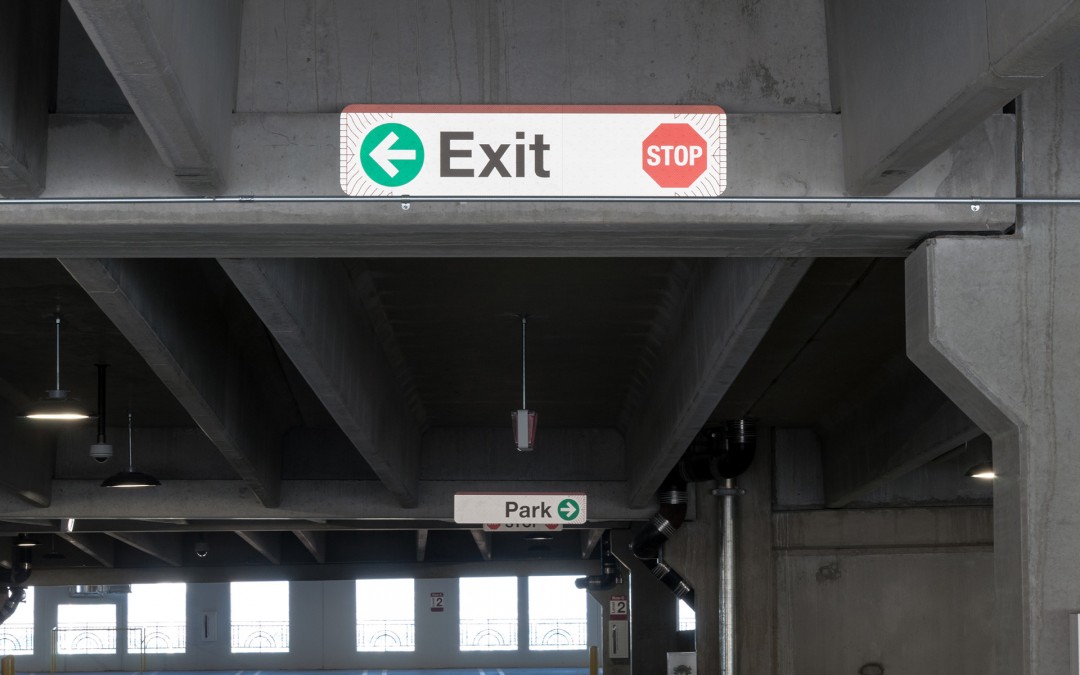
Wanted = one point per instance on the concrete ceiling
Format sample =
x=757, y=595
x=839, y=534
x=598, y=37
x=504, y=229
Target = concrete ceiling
x=313, y=382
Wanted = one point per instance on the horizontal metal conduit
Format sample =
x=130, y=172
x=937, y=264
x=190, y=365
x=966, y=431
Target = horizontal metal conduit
x=973, y=202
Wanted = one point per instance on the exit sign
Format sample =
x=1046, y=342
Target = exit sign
x=520, y=508
x=537, y=151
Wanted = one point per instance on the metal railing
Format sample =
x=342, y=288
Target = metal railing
x=158, y=638
x=17, y=638
x=558, y=634
x=87, y=638
x=260, y=636
x=91, y=638
x=488, y=634
x=386, y=635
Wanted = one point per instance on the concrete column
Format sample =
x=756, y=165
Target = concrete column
x=28, y=36
x=995, y=324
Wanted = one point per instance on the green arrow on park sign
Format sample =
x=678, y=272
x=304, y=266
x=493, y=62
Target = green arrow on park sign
x=568, y=509
x=391, y=154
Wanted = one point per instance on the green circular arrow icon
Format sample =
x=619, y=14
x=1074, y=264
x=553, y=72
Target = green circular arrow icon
x=568, y=509
x=391, y=154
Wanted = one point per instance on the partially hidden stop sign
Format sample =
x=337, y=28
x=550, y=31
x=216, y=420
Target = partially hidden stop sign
x=603, y=151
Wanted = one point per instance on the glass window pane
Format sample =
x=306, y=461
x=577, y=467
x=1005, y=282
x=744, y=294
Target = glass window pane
x=489, y=618
x=687, y=617
x=17, y=633
x=260, y=616
x=557, y=614
x=86, y=629
x=385, y=615
x=157, y=618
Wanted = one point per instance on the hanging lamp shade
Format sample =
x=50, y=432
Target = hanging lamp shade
x=56, y=405
x=23, y=541
x=984, y=470
x=130, y=478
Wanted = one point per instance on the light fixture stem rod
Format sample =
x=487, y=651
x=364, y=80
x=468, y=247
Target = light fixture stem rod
x=131, y=462
x=523, y=407
x=58, y=349
x=101, y=401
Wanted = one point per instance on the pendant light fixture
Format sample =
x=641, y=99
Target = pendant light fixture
x=524, y=420
x=23, y=541
x=56, y=405
x=130, y=478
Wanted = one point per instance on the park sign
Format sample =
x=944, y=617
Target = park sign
x=523, y=508
x=533, y=151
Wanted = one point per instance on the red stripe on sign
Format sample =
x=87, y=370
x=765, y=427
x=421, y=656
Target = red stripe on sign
x=552, y=109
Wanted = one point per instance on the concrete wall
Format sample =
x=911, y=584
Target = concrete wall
x=925, y=612
x=322, y=635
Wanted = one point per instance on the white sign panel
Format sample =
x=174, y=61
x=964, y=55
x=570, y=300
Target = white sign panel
x=533, y=151
x=524, y=508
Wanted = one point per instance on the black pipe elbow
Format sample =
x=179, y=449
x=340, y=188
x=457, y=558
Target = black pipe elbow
x=15, y=595
x=609, y=569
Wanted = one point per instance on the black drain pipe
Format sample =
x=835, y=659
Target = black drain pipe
x=715, y=454
x=609, y=569
x=14, y=591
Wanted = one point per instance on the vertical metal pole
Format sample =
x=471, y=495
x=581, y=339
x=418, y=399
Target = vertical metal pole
x=727, y=579
x=523, y=317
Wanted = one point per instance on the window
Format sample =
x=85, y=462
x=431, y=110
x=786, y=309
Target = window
x=86, y=629
x=17, y=633
x=260, y=616
x=157, y=618
x=687, y=617
x=558, y=614
x=489, y=619
x=385, y=615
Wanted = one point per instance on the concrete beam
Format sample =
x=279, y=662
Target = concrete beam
x=268, y=544
x=913, y=78
x=165, y=547
x=880, y=530
x=314, y=542
x=729, y=306
x=98, y=546
x=163, y=313
x=298, y=155
x=301, y=499
x=449, y=453
x=28, y=39
x=483, y=542
x=176, y=62
x=891, y=426
x=310, y=307
x=206, y=574
x=589, y=539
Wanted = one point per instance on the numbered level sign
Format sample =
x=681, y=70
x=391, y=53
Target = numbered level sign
x=437, y=602
x=619, y=607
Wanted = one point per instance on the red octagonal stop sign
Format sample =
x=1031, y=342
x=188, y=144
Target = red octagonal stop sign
x=674, y=155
